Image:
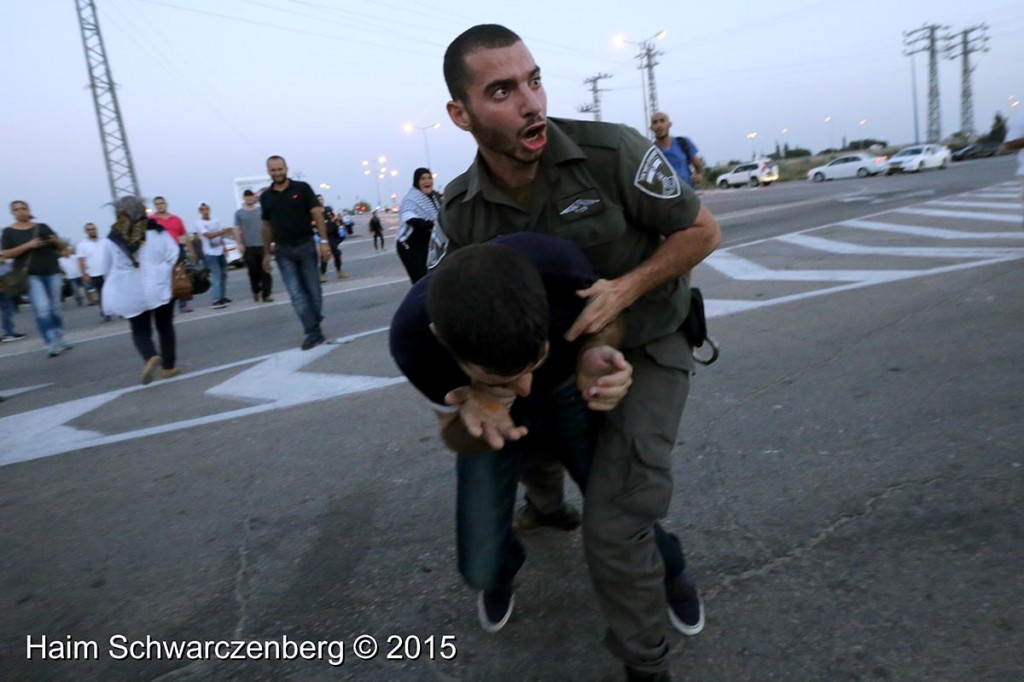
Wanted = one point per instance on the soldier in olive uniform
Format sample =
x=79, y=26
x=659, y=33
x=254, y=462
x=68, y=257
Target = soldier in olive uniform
x=604, y=188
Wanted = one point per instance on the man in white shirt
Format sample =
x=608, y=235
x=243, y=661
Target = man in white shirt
x=72, y=273
x=1015, y=142
x=212, y=236
x=92, y=262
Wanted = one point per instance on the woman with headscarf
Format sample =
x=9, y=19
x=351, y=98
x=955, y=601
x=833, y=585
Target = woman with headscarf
x=418, y=214
x=140, y=257
x=35, y=246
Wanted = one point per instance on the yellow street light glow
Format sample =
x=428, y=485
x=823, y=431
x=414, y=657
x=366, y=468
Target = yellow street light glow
x=827, y=119
x=751, y=136
x=366, y=163
x=394, y=173
x=661, y=34
x=619, y=41
x=785, y=130
x=408, y=127
x=863, y=121
x=382, y=159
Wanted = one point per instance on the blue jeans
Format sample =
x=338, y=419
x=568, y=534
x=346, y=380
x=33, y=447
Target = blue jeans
x=7, y=314
x=300, y=270
x=218, y=276
x=44, y=295
x=562, y=428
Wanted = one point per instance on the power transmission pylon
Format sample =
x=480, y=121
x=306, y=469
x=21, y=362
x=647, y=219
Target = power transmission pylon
x=921, y=40
x=595, y=107
x=964, y=50
x=646, y=57
x=120, y=171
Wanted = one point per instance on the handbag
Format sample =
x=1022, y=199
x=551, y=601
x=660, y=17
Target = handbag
x=199, y=275
x=181, y=283
x=15, y=282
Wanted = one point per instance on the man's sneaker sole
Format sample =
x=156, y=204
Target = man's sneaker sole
x=688, y=630
x=485, y=622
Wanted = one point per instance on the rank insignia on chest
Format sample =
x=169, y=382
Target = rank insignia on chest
x=579, y=205
x=656, y=177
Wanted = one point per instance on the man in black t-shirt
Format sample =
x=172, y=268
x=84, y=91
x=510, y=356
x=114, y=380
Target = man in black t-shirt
x=287, y=208
x=483, y=339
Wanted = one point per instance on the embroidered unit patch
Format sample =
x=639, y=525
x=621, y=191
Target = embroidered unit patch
x=656, y=177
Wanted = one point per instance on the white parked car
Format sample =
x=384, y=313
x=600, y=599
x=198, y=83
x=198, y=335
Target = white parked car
x=232, y=254
x=754, y=173
x=849, y=166
x=919, y=157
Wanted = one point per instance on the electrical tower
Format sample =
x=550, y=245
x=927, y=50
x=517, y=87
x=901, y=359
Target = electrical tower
x=595, y=107
x=646, y=57
x=921, y=40
x=966, y=47
x=120, y=171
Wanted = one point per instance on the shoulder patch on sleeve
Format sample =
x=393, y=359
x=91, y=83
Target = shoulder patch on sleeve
x=438, y=247
x=656, y=177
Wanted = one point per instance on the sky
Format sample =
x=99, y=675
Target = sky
x=208, y=90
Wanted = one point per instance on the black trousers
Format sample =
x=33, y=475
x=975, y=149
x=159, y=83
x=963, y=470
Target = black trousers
x=413, y=253
x=336, y=252
x=142, y=333
x=260, y=280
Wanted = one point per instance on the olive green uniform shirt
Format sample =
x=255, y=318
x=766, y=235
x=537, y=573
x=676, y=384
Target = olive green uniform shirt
x=601, y=186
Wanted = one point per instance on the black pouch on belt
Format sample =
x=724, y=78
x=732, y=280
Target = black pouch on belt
x=695, y=329
x=695, y=326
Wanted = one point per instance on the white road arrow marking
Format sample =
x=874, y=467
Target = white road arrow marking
x=276, y=382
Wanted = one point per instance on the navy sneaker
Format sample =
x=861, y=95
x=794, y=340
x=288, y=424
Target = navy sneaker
x=528, y=519
x=494, y=608
x=314, y=339
x=685, y=605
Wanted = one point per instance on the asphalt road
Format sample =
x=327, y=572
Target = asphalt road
x=848, y=475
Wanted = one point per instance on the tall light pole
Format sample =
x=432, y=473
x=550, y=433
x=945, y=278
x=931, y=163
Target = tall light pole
x=378, y=174
x=409, y=128
x=831, y=137
x=646, y=58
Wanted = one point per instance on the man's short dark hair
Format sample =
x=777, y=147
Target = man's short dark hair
x=482, y=36
x=156, y=199
x=276, y=157
x=489, y=306
x=248, y=193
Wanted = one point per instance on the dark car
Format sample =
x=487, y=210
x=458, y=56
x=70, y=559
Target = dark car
x=976, y=151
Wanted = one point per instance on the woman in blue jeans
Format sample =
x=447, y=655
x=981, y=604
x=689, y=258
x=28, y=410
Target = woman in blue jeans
x=37, y=247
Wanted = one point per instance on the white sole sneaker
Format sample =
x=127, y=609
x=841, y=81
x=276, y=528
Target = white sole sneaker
x=485, y=622
x=688, y=630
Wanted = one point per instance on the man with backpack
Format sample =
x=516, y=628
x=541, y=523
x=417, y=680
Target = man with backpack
x=681, y=152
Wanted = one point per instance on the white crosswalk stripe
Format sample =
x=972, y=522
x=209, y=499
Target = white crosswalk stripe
x=887, y=236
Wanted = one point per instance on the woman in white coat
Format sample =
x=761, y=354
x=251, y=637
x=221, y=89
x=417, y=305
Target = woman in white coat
x=140, y=256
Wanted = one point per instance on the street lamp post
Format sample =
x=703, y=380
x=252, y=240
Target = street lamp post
x=646, y=57
x=378, y=174
x=831, y=137
x=409, y=128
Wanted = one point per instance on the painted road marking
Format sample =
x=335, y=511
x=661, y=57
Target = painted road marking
x=44, y=432
x=275, y=381
x=966, y=215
